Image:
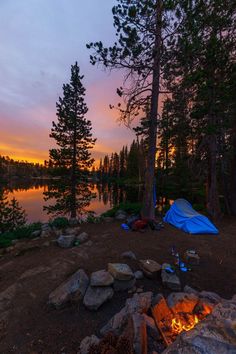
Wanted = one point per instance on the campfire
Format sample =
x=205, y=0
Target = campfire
x=179, y=325
x=146, y=325
x=184, y=315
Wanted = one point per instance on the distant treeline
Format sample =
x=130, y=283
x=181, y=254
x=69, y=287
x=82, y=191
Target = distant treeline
x=10, y=168
x=129, y=163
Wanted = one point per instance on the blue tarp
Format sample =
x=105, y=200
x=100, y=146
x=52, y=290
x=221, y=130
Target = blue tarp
x=182, y=215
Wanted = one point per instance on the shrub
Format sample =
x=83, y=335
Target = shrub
x=19, y=233
x=60, y=222
x=130, y=208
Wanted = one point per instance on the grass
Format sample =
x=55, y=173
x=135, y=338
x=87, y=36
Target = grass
x=130, y=208
x=20, y=233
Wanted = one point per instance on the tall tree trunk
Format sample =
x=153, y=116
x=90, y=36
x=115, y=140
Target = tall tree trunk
x=73, y=177
x=233, y=174
x=148, y=209
x=213, y=204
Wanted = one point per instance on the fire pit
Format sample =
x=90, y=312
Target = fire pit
x=195, y=322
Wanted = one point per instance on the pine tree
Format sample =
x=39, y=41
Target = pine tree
x=16, y=215
x=142, y=28
x=72, y=158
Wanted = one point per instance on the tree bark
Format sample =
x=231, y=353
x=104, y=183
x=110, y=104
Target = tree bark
x=233, y=174
x=213, y=204
x=148, y=209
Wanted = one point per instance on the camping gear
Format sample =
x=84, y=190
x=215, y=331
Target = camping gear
x=139, y=225
x=182, y=215
x=125, y=227
x=130, y=220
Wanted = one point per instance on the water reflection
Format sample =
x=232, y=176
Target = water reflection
x=31, y=198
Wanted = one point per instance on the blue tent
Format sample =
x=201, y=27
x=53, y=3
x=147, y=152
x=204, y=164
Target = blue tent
x=184, y=217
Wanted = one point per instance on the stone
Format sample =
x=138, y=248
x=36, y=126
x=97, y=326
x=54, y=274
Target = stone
x=73, y=289
x=14, y=242
x=129, y=255
x=70, y=231
x=140, y=333
x=121, y=215
x=108, y=219
x=123, y=285
x=46, y=233
x=46, y=244
x=89, y=243
x=139, y=290
x=152, y=330
x=171, y=281
x=86, y=343
x=36, y=233
x=83, y=237
x=192, y=258
x=182, y=302
x=95, y=297
x=45, y=226
x=211, y=296
x=150, y=268
x=188, y=289
x=66, y=241
x=139, y=303
x=101, y=278
x=120, y=271
x=138, y=274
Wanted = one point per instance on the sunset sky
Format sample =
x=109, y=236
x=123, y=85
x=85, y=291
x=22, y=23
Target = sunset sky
x=39, y=40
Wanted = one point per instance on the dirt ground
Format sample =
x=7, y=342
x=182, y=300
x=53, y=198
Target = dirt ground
x=27, y=280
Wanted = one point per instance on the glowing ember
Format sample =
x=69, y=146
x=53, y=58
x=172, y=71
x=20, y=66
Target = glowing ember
x=179, y=326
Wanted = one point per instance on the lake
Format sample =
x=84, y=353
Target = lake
x=30, y=196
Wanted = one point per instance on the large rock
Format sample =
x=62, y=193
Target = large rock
x=182, y=302
x=66, y=241
x=101, y=278
x=138, y=274
x=83, y=237
x=129, y=255
x=86, y=343
x=36, y=233
x=73, y=289
x=120, y=215
x=139, y=303
x=150, y=268
x=95, y=297
x=171, y=281
x=123, y=285
x=120, y=271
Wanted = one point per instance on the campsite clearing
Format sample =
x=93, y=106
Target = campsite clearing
x=28, y=279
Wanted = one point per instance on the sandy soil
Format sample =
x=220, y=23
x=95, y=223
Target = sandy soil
x=27, y=280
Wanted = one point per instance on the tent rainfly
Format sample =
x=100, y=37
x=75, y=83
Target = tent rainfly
x=182, y=215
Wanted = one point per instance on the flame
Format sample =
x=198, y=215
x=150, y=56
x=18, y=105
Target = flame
x=178, y=326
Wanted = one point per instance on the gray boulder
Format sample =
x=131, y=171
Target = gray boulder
x=101, y=278
x=138, y=275
x=139, y=303
x=95, y=297
x=66, y=241
x=86, y=343
x=170, y=280
x=129, y=255
x=83, y=237
x=123, y=285
x=73, y=289
x=120, y=271
x=36, y=233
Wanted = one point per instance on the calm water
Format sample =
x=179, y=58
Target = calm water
x=30, y=196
